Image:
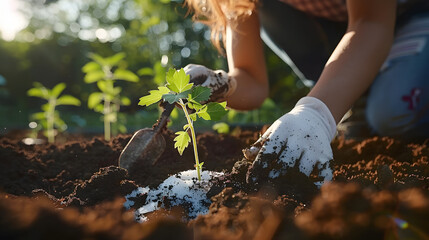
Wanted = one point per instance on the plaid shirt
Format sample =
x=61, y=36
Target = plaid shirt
x=335, y=10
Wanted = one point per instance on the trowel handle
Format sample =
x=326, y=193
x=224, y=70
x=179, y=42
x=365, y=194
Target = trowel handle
x=168, y=108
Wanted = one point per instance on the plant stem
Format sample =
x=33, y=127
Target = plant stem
x=50, y=121
x=194, y=139
x=107, y=112
x=115, y=106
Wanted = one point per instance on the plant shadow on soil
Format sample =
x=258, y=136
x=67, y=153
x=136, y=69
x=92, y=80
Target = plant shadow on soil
x=75, y=190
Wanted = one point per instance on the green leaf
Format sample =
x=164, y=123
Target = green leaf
x=58, y=89
x=116, y=91
x=60, y=124
x=38, y=92
x=193, y=116
x=221, y=127
x=154, y=96
x=115, y=59
x=170, y=73
x=200, y=94
x=194, y=105
x=94, y=76
x=170, y=78
x=122, y=74
x=172, y=97
x=145, y=72
x=122, y=128
x=94, y=99
x=99, y=59
x=185, y=126
x=102, y=85
x=181, y=141
x=125, y=101
x=213, y=111
x=99, y=108
x=45, y=107
x=91, y=67
x=44, y=124
x=68, y=100
x=38, y=116
x=179, y=82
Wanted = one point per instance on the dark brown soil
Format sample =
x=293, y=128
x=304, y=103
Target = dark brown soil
x=75, y=190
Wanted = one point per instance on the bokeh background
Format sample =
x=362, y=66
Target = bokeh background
x=49, y=41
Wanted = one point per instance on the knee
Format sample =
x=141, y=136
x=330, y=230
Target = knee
x=379, y=117
x=389, y=118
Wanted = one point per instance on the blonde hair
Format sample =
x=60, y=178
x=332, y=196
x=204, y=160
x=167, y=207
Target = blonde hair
x=217, y=14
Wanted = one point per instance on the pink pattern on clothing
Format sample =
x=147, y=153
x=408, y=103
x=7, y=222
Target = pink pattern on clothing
x=334, y=10
x=413, y=99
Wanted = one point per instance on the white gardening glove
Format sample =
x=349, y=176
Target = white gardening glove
x=302, y=136
x=218, y=81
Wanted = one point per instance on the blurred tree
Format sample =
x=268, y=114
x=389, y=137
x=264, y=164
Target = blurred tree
x=154, y=34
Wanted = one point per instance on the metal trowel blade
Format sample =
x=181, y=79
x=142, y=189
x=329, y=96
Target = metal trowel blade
x=145, y=145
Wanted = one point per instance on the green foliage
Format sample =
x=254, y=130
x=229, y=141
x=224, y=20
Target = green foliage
x=49, y=118
x=153, y=35
x=150, y=30
x=154, y=96
x=178, y=81
x=105, y=72
x=181, y=141
x=179, y=91
x=221, y=127
x=199, y=94
x=212, y=111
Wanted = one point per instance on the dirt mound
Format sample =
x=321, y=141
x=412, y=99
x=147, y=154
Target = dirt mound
x=76, y=190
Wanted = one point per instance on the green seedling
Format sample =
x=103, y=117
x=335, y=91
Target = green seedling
x=49, y=118
x=105, y=72
x=191, y=99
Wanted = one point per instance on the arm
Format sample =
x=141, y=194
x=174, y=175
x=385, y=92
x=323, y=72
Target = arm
x=246, y=64
x=302, y=137
x=357, y=59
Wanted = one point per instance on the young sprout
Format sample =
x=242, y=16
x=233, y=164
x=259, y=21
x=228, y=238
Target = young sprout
x=189, y=97
x=105, y=72
x=49, y=118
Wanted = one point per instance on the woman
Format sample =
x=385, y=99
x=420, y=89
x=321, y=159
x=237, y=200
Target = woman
x=345, y=46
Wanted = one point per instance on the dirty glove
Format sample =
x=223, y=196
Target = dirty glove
x=218, y=81
x=300, y=138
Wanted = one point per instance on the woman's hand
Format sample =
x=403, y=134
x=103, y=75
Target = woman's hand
x=218, y=81
x=299, y=138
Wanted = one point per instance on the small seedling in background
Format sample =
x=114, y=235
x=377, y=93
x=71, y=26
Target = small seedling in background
x=179, y=91
x=49, y=118
x=105, y=72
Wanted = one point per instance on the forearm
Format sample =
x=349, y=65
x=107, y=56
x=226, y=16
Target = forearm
x=246, y=63
x=353, y=66
x=249, y=94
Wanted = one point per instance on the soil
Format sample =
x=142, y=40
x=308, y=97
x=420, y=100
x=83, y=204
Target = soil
x=75, y=190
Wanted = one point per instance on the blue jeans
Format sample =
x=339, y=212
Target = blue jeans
x=398, y=100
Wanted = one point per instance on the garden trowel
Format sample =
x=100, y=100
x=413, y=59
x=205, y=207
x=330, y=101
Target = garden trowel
x=146, y=144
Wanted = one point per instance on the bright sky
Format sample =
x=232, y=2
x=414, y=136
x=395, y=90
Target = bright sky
x=11, y=20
